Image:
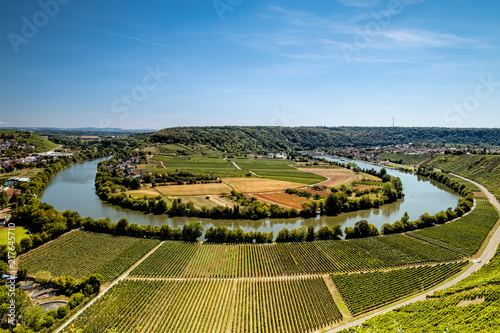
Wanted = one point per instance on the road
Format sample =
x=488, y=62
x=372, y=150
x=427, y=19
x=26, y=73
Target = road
x=485, y=257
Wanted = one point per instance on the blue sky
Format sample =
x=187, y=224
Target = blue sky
x=156, y=64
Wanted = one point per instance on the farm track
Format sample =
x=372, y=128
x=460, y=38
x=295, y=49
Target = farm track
x=487, y=254
x=485, y=257
x=122, y=277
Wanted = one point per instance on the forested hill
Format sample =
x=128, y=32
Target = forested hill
x=267, y=138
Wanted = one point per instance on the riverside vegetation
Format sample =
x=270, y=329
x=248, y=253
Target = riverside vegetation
x=253, y=280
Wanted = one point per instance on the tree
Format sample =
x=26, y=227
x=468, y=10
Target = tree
x=75, y=300
x=333, y=204
x=310, y=236
x=122, y=226
x=192, y=231
x=361, y=229
x=283, y=236
x=325, y=233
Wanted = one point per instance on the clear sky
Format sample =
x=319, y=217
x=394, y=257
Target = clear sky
x=155, y=64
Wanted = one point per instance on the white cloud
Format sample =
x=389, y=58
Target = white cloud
x=360, y=3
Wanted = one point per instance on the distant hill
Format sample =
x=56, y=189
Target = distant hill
x=267, y=138
x=28, y=138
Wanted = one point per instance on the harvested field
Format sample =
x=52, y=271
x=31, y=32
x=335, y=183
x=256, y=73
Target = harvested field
x=364, y=187
x=195, y=189
x=336, y=177
x=201, y=200
x=282, y=199
x=259, y=185
x=149, y=193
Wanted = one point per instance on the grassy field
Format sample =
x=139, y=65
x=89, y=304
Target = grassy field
x=200, y=165
x=148, y=192
x=41, y=144
x=278, y=169
x=81, y=253
x=19, y=232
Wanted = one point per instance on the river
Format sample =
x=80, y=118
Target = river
x=73, y=189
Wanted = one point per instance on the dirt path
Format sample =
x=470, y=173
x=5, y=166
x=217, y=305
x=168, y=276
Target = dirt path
x=236, y=165
x=485, y=257
x=122, y=277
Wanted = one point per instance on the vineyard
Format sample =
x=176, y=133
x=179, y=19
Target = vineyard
x=366, y=291
x=82, y=253
x=289, y=305
x=471, y=305
x=194, y=260
x=465, y=235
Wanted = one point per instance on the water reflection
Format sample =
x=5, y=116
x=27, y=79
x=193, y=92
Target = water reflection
x=73, y=189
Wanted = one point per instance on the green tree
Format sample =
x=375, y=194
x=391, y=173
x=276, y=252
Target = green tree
x=310, y=236
x=192, y=231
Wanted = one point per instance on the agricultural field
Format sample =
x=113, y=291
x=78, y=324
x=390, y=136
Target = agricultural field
x=472, y=305
x=282, y=199
x=199, y=165
x=19, y=232
x=338, y=176
x=189, y=260
x=254, y=184
x=366, y=291
x=474, y=188
x=278, y=169
x=146, y=192
x=408, y=159
x=201, y=200
x=81, y=253
x=288, y=305
x=483, y=168
x=195, y=189
x=465, y=235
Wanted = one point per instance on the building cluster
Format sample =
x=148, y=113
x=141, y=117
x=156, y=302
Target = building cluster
x=6, y=145
x=37, y=159
x=373, y=153
x=127, y=166
x=270, y=155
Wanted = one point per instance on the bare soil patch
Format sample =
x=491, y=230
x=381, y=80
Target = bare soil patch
x=335, y=177
x=259, y=185
x=195, y=189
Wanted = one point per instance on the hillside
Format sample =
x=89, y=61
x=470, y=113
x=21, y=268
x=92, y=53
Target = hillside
x=28, y=138
x=482, y=168
x=267, y=138
x=472, y=305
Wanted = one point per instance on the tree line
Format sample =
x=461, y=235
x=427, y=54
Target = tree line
x=263, y=139
x=465, y=203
